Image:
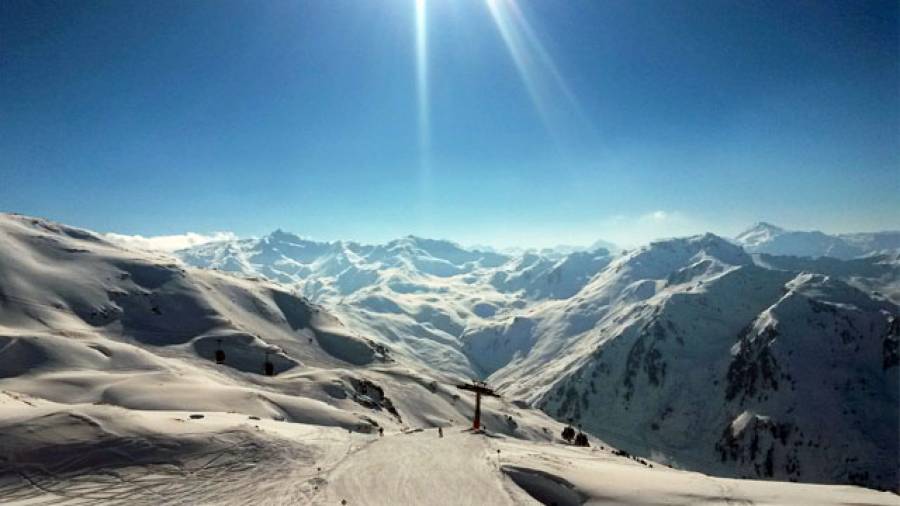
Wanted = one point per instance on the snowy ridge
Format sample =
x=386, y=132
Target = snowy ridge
x=767, y=238
x=759, y=234
x=416, y=295
x=790, y=347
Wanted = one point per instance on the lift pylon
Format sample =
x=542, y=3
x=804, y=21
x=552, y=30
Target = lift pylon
x=480, y=388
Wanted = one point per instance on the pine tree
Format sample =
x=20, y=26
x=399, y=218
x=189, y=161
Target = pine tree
x=568, y=433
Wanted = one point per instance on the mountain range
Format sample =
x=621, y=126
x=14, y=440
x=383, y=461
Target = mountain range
x=614, y=343
x=767, y=238
x=703, y=353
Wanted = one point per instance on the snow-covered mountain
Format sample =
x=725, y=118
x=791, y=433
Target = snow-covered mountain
x=767, y=238
x=689, y=352
x=111, y=391
x=418, y=295
x=758, y=235
x=538, y=325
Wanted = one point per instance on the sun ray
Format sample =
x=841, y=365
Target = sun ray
x=426, y=193
x=422, y=78
x=551, y=96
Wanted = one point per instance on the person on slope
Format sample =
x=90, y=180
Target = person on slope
x=440, y=432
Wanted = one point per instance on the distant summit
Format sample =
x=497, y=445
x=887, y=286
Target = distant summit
x=759, y=233
x=767, y=238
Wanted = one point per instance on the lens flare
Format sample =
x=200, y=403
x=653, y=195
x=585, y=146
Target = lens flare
x=551, y=96
x=422, y=77
x=426, y=194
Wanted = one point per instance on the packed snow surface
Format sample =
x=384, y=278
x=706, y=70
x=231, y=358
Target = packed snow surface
x=104, y=454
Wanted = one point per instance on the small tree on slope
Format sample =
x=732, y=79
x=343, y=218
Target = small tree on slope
x=568, y=433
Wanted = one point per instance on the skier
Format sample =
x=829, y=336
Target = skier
x=440, y=432
x=381, y=431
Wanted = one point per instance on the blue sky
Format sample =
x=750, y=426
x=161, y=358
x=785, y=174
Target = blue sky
x=625, y=120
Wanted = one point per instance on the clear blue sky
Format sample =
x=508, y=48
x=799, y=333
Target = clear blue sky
x=624, y=120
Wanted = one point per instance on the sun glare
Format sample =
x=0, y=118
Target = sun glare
x=422, y=76
x=551, y=96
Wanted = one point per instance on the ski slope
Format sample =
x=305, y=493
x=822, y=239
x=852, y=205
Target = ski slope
x=101, y=454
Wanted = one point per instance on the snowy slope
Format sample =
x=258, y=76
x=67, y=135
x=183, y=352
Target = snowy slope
x=767, y=238
x=874, y=243
x=543, y=277
x=106, y=369
x=878, y=274
x=780, y=351
x=758, y=235
x=104, y=455
x=83, y=321
x=416, y=295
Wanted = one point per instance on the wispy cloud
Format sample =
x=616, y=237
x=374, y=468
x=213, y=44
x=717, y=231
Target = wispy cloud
x=168, y=242
x=656, y=216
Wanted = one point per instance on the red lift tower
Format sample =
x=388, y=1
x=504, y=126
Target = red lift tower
x=480, y=388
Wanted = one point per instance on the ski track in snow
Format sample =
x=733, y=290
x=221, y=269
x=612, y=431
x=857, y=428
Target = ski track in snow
x=421, y=468
x=400, y=468
x=240, y=472
x=413, y=467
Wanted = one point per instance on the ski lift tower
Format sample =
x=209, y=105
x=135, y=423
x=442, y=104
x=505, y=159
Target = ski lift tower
x=480, y=388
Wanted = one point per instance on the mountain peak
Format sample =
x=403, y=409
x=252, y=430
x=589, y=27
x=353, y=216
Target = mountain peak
x=759, y=233
x=764, y=225
x=671, y=254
